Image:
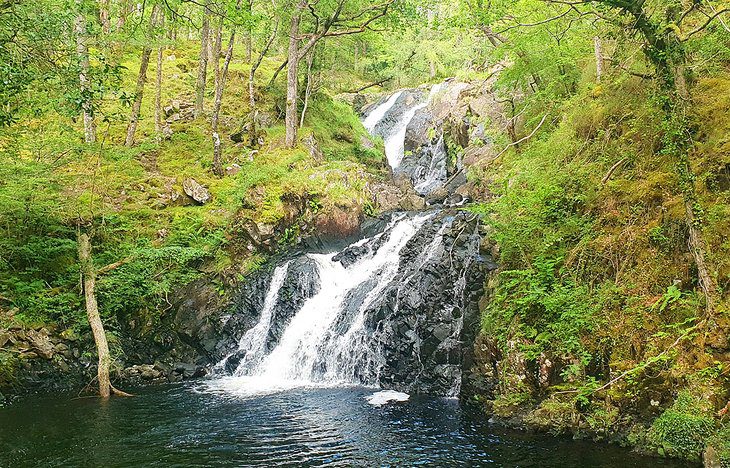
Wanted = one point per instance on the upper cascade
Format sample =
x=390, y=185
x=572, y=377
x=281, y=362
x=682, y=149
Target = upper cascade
x=427, y=165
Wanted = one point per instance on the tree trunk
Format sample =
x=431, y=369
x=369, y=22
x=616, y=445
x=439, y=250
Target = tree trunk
x=598, y=49
x=292, y=76
x=104, y=19
x=142, y=79
x=217, y=54
x=123, y=11
x=248, y=39
x=668, y=56
x=698, y=248
x=138, y=93
x=158, y=81
x=82, y=52
x=253, y=114
x=221, y=83
x=158, y=92
x=308, y=90
x=202, y=64
x=677, y=144
x=88, y=275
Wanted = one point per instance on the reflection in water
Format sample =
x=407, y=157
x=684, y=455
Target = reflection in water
x=178, y=426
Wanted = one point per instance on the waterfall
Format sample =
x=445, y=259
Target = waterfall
x=253, y=342
x=388, y=310
x=379, y=112
x=327, y=342
x=395, y=141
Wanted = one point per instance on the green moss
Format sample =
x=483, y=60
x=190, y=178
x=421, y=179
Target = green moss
x=8, y=366
x=684, y=428
x=505, y=405
x=557, y=415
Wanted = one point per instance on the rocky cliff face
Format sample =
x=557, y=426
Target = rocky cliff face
x=419, y=327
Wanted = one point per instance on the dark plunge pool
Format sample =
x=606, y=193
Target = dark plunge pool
x=184, y=426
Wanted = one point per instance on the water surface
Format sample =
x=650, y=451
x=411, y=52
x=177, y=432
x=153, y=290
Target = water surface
x=185, y=425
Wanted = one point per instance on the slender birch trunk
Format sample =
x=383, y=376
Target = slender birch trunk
x=215, y=61
x=138, y=94
x=253, y=113
x=141, y=81
x=82, y=52
x=308, y=89
x=158, y=86
x=598, y=50
x=292, y=76
x=202, y=64
x=220, y=86
x=88, y=274
x=104, y=19
x=248, y=37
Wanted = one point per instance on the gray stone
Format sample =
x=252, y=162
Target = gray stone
x=711, y=458
x=233, y=169
x=41, y=343
x=196, y=191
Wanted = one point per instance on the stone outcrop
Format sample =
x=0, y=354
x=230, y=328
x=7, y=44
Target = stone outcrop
x=196, y=191
x=425, y=319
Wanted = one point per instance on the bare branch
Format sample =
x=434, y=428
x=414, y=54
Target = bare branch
x=705, y=24
x=113, y=266
x=610, y=172
x=523, y=139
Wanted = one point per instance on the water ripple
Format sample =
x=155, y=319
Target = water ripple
x=182, y=426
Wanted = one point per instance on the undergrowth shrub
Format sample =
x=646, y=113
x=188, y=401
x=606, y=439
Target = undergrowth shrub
x=683, y=429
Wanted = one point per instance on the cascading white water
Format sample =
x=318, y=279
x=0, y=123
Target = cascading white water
x=379, y=112
x=253, y=342
x=364, y=316
x=395, y=142
x=435, y=175
x=311, y=351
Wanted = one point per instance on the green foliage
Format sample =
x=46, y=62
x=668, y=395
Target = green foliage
x=683, y=429
x=672, y=295
x=721, y=443
x=602, y=420
x=538, y=305
x=537, y=220
x=145, y=283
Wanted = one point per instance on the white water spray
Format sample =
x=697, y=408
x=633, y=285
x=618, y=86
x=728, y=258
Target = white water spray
x=395, y=142
x=379, y=112
x=312, y=352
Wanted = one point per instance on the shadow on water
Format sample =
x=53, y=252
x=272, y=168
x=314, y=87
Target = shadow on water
x=182, y=426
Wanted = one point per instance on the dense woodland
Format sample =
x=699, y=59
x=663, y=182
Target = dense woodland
x=605, y=190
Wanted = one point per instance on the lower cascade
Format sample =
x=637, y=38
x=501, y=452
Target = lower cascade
x=390, y=310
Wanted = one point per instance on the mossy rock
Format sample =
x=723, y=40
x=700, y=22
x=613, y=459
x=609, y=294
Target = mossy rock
x=683, y=430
